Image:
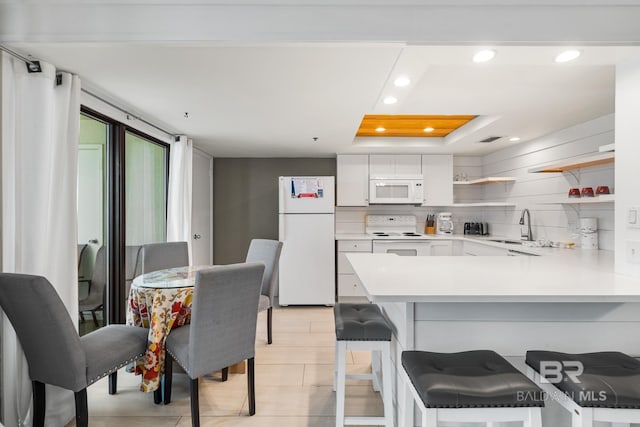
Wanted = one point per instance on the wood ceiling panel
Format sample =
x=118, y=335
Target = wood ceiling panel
x=411, y=125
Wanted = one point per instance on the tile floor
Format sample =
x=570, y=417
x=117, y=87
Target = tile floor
x=293, y=384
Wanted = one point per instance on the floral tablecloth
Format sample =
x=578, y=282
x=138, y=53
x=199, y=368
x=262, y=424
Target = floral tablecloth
x=159, y=309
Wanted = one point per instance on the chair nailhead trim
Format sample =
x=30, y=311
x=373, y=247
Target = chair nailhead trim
x=114, y=369
x=176, y=359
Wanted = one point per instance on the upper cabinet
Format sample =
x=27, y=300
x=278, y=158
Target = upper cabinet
x=353, y=180
x=437, y=170
x=354, y=171
x=385, y=165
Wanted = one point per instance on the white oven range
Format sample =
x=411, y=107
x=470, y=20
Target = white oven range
x=397, y=234
x=402, y=247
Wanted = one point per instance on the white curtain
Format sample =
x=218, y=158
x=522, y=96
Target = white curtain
x=40, y=128
x=179, y=202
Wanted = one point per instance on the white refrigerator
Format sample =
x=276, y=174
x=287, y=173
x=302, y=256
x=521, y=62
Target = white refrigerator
x=306, y=228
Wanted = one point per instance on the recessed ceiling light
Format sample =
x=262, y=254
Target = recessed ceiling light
x=484, y=55
x=390, y=100
x=380, y=129
x=567, y=56
x=402, y=81
x=514, y=139
x=428, y=129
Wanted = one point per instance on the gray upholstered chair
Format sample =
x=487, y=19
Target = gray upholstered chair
x=267, y=251
x=132, y=265
x=83, y=254
x=55, y=353
x=222, y=330
x=94, y=300
x=158, y=256
x=81, y=249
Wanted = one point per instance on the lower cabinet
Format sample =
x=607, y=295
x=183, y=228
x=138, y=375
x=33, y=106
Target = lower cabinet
x=478, y=249
x=348, y=285
x=441, y=248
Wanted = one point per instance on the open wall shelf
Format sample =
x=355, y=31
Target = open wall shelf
x=603, y=198
x=487, y=180
x=577, y=163
x=482, y=204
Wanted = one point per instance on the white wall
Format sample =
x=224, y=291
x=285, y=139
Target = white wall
x=627, y=160
x=552, y=222
x=531, y=190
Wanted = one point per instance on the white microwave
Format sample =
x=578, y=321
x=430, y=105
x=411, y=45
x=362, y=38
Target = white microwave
x=401, y=190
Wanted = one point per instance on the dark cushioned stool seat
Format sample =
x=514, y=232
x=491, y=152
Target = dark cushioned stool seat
x=610, y=379
x=470, y=379
x=360, y=322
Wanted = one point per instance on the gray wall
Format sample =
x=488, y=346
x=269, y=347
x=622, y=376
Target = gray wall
x=245, y=199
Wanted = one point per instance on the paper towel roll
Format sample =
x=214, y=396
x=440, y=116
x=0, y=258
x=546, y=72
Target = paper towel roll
x=589, y=233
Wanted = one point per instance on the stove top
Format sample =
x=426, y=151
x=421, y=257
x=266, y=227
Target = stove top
x=401, y=226
x=396, y=235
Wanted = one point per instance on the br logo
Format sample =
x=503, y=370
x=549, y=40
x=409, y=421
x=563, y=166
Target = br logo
x=551, y=370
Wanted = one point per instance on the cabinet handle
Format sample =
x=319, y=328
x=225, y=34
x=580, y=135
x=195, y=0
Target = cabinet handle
x=197, y=236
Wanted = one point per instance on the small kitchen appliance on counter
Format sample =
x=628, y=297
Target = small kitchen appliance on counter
x=476, y=228
x=589, y=233
x=445, y=223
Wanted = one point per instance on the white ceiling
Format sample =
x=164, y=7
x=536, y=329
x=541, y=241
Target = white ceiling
x=264, y=77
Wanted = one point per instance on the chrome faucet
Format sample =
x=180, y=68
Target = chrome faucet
x=528, y=235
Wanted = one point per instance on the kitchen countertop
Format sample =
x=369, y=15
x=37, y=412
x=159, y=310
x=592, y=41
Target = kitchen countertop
x=587, y=276
x=533, y=250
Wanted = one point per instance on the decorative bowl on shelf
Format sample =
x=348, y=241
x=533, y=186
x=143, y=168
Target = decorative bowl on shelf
x=574, y=192
x=587, y=192
x=602, y=189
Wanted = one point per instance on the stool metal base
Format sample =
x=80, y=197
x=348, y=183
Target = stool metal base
x=340, y=377
x=529, y=416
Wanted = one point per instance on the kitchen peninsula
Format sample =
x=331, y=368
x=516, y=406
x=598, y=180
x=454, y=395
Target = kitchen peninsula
x=571, y=302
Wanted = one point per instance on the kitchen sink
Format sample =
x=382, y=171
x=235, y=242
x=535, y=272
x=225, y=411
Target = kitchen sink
x=507, y=241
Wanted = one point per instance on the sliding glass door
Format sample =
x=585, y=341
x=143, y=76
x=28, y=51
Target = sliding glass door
x=122, y=204
x=92, y=227
x=146, y=172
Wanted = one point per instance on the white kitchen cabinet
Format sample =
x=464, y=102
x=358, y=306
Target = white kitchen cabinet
x=385, y=165
x=348, y=284
x=437, y=171
x=478, y=249
x=441, y=248
x=353, y=180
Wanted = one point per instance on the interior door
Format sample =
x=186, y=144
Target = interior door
x=90, y=196
x=202, y=212
x=90, y=209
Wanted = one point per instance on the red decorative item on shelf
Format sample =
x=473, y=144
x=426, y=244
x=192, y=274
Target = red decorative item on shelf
x=587, y=192
x=574, y=192
x=603, y=189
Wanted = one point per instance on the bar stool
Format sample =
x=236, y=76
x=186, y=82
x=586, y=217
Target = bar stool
x=602, y=386
x=362, y=327
x=470, y=387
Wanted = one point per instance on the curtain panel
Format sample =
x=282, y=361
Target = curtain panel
x=40, y=130
x=180, y=192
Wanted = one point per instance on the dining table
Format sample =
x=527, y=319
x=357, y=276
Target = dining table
x=161, y=301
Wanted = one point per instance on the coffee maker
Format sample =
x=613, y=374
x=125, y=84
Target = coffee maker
x=444, y=223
